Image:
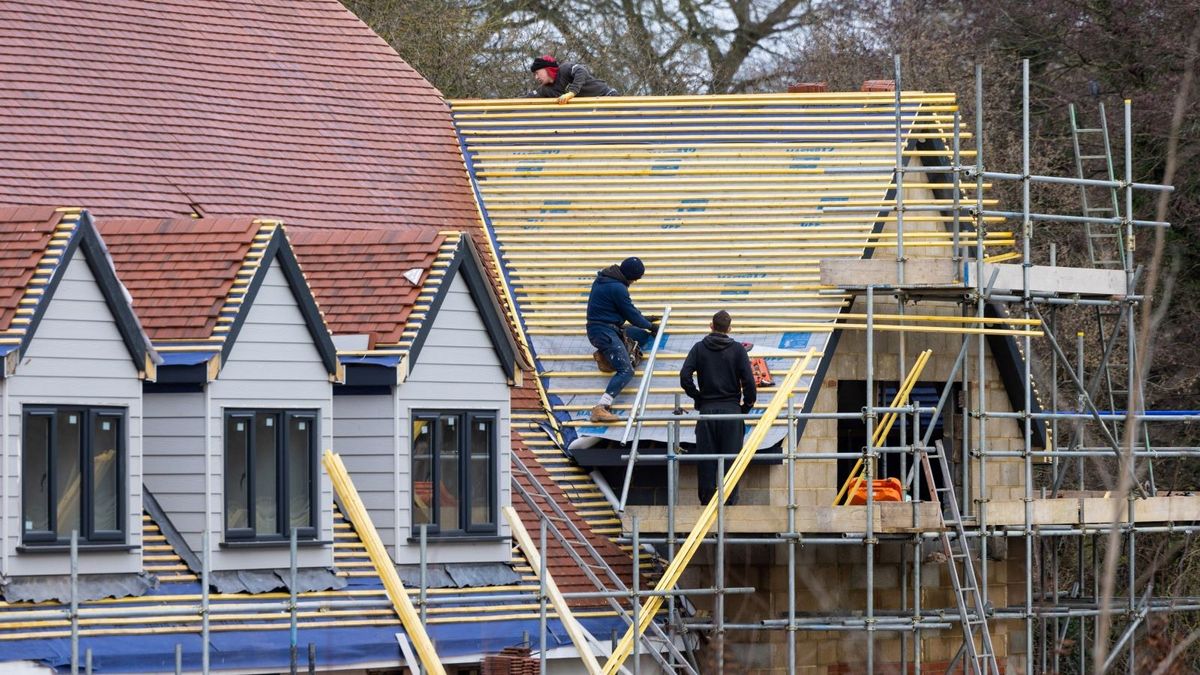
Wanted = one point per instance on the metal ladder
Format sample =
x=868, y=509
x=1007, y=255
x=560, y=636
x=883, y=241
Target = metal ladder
x=981, y=657
x=1106, y=248
x=1098, y=163
x=596, y=569
x=634, y=421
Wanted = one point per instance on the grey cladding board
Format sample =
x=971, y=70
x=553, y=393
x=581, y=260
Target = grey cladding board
x=364, y=430
x=174, y=437
x=76, y=356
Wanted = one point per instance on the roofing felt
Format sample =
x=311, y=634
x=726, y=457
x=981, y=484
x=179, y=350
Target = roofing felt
x=25, y=234
x=270, y=108
x=180, y=271
x=368, y=281
x=730, y=201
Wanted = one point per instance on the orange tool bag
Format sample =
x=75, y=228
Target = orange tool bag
x=762, y=374
x=886, y=490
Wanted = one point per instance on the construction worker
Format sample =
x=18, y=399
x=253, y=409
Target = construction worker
x=722, y=366
x=609, y=307
x=566, y=81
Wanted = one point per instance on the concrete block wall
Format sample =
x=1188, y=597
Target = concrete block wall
x=832, y=579
x=816, y=480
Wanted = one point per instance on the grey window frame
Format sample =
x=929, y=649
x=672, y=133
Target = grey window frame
x=87, y=533
x=465, y=418
x=282, y=501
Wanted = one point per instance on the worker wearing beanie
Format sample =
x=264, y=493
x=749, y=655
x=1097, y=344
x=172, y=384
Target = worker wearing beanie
x=566, y=81
x=609, y=308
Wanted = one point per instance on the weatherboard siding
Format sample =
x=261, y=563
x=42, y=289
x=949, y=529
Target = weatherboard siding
x=174, y=463
x=76, y=357
x=456, y=369
x=364, y=435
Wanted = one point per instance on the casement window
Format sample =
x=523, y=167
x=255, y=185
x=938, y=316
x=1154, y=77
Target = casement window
x=454, y=469
x=72, y=474
x=270, y=474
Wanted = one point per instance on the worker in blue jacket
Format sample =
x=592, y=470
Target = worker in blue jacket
x=609, y=308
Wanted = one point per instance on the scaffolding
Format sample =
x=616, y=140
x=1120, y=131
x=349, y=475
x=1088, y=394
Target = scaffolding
x=1061, y=586
x=1061, y=583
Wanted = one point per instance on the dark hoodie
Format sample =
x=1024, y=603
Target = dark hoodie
x=609, y=302
x=577, y=78
x=723, y=369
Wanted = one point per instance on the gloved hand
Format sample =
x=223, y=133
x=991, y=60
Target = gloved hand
x=566, y=98
x=746, y=409
x=654, y=319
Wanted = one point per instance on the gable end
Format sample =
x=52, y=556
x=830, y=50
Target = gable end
x=280, y=252
x=88, y=238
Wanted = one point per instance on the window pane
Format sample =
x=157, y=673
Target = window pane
x=265, y=474
x=35, y=472
x=299, y=464
x=106, y=435
x=422, y=472
x=237, y=488
x=66, y=468
x=448, y=467
x=480, y=471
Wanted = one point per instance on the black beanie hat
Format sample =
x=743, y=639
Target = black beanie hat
x=632, y=269
x=540, y=62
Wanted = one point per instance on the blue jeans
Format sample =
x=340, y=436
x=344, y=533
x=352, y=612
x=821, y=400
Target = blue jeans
x=607, y=339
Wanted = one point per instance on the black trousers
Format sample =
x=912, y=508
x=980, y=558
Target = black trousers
x=717, y=437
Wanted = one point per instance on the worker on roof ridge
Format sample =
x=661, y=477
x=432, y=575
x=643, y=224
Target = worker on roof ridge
x=609, y=307
x=565, y=81
x=722, y=366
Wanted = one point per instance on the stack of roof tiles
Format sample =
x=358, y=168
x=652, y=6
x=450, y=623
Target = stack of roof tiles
x=511, y=661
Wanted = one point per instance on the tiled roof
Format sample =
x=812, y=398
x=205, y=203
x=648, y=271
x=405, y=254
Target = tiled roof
x=364, y=279
x=25, y=234
x=567, y=574
x=179, y=270
x=275, y=108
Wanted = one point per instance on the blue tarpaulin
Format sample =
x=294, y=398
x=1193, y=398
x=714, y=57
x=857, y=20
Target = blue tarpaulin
x=270, y=649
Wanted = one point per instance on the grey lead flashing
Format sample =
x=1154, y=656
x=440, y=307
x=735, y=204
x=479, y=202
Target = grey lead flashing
x=91, y=587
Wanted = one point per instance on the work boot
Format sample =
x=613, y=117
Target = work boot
x=601, y=413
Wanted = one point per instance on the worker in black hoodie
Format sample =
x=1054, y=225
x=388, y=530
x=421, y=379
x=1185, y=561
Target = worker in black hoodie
x=726, y=386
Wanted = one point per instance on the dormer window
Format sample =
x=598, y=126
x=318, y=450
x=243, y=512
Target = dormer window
x=72, y=474
x=270, y=469
x=454, y=472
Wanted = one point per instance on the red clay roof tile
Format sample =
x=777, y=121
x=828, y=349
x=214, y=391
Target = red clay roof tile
x=267, y=108
x=358, y=276
x=178, y=270
x=24, y=235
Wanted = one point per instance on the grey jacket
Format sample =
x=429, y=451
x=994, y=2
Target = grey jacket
x=577, y=78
